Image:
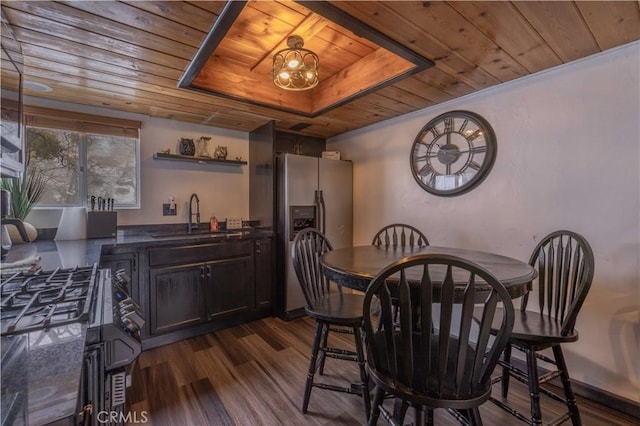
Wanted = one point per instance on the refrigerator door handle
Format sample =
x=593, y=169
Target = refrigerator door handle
x=316, y=203
x=323, y=215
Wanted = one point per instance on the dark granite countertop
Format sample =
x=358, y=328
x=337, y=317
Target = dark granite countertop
x=41, y=373
x=67, y=254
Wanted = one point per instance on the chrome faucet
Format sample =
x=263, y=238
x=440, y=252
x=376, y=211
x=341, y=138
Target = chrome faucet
x=191, y=226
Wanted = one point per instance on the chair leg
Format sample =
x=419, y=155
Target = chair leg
x=378, y=398
x=400, y=407
x=474, y=417
x=428, y=418
x=364, y=378
x=506, y=357
x=323, y=346
x=570, y=398
x=312, y=365
x=421, y=418
x=534, y=387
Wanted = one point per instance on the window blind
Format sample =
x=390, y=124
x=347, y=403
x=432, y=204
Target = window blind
x=80, y=122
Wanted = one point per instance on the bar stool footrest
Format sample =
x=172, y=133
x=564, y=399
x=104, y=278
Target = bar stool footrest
x=352, y=390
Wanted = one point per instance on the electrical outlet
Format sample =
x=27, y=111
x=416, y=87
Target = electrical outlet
x=167, y=210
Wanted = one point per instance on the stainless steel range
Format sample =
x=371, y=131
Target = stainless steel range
x=69, y=337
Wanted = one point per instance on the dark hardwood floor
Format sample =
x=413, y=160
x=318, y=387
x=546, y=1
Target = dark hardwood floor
x=254, y=374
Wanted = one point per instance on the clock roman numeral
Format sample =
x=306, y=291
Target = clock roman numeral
x=434, y=131
x=474, y=135
x=475, y=166
x=448, y=124
x=426, y=170
x=463, y=126
x=478, y=149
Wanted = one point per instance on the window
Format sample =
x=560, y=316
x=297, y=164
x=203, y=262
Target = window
x=83, y=156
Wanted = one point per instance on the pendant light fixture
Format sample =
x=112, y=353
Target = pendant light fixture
x=295, y=68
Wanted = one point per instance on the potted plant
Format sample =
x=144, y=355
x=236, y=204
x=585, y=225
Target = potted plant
x=25, y=192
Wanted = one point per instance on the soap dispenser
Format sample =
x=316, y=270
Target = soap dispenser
x=214, y=224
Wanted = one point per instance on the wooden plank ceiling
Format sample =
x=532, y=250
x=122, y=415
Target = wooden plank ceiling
x=130, y=55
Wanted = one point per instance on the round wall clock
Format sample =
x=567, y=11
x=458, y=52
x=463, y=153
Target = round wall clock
x=453, y=153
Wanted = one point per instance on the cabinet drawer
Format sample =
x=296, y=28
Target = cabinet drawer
x=198, y=253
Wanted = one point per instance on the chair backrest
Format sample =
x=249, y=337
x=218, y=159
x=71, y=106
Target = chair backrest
x=308, y=247
x=428, y=349
x=399, y=234
x=565, y=264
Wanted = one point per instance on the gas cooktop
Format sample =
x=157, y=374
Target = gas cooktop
x=41, y=300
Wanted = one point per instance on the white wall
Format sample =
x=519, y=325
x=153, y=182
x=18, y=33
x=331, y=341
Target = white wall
x=568, y=158
x=222, y=189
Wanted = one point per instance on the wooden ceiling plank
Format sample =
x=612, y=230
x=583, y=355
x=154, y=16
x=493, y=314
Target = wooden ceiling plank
x=38, y=56
x=409, y=98
x=255, y=28
x=123, y=14
x=93, y=27
x=612, y=23
x=192, y=15
x=444, y=82
x=140, y=102
x=214, y=7
x=137, y=90
x=502, y=23
x=72, y=34
x=373, y=70
x=416, y=84
x=56, y=50
x=382, y=17
x=227, y=78
x=283, y=11
x=307, y=29
x=451, y=29
x=238, y=46
x=389, y=103
x=560, y=24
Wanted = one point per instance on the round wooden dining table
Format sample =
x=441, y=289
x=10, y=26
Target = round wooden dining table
x=355, y=267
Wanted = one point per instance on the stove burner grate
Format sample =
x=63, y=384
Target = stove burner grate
x=39, y=300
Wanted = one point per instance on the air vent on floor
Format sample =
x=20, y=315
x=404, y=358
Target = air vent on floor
x=299, y=126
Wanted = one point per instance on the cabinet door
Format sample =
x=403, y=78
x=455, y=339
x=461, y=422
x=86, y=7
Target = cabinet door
x=264, y=274
x=176, y=299
x=229, y=287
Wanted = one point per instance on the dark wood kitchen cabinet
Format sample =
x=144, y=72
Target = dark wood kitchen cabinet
x=228, y=287
x=198, y=288
x=175, y=297
x=182, y=296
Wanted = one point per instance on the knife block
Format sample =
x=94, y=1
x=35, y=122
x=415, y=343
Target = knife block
x=102, y=224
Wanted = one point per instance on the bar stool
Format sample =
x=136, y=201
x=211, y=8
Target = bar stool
x=565, y=264
x=333, y=312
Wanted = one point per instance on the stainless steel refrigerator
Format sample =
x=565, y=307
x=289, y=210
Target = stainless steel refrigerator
x=314, y=192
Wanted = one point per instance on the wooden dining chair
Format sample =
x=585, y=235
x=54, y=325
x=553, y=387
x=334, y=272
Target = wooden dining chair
x=399, y=235
x=333, y=312
x=436, y=355
x=565, y=265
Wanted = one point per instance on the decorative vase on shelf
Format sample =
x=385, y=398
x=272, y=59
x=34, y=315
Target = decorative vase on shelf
x=220, y=153
x=203, y=145
x=187, y=147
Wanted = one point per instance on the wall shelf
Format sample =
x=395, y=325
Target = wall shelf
x=192, y=159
